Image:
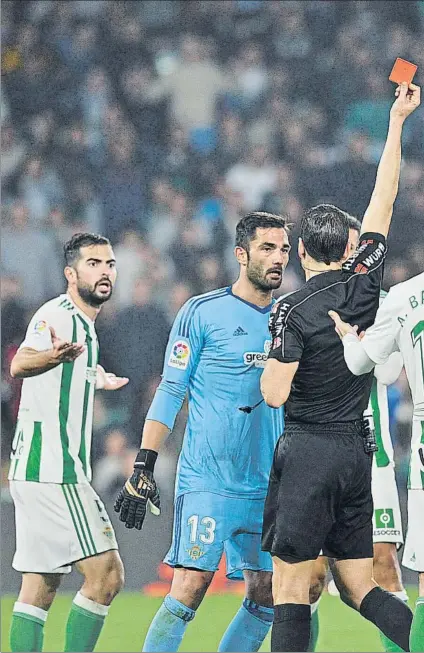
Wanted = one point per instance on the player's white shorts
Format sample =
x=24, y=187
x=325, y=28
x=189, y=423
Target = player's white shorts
x=57, y=525
x=413, y=556
x=387, y=522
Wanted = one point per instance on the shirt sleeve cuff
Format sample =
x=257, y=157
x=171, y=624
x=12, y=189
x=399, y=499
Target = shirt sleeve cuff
x=356, y=358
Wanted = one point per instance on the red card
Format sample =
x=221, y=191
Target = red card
x=403, y=71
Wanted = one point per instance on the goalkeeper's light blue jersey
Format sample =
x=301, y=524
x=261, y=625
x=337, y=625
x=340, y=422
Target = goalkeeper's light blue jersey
x=216, y=352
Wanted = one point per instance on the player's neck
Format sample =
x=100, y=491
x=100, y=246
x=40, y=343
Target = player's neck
x=91, y=311
x=249, y=293
x=313, y=268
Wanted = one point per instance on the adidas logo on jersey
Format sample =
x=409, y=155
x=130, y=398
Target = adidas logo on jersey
x=240, y=332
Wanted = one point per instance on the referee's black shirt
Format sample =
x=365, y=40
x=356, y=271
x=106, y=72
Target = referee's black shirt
x=323, y=388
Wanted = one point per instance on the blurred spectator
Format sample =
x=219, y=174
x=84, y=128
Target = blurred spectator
x=123, y=187
x=142, y=331
x=30, y=256
x=131, y=261
x=193, y=87
x=253, y=177
x=12, y=153
x=108, y=476
x=41, y=189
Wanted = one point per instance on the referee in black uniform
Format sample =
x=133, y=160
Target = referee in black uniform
x=319, y=496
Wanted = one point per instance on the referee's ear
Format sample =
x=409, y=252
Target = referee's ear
x=301, y=251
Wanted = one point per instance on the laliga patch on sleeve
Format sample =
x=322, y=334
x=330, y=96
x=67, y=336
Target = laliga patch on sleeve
x=180, y=355
x=40, y=327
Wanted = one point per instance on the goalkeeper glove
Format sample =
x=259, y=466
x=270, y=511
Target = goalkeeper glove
x=139, y=491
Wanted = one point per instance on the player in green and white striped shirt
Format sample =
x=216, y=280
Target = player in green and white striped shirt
x=60, y=520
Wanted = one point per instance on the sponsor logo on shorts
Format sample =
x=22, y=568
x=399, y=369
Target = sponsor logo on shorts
x=180, y=355
x=195, y=552
x=257, y=358
x=384, y=518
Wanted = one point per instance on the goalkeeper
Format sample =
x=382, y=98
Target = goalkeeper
x=216, y=351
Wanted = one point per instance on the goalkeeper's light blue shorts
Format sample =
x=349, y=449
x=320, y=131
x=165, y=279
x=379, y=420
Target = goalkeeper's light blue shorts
x=206, y=525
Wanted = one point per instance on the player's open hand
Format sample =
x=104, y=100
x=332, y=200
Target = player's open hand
x=408, y=98
x=64, y=351
x=108, y=381
x=343, y=328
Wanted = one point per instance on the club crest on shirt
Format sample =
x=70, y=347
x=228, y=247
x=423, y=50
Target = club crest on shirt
x=180, y=355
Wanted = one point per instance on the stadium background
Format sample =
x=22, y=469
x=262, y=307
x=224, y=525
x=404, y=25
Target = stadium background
x=160, y=123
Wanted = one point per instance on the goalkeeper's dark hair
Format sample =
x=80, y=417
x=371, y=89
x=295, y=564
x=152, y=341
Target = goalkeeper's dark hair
x=72, y=249
x=247, y=226
x=324, y=230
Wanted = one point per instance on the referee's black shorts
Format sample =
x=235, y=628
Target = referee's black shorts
x=319, y=494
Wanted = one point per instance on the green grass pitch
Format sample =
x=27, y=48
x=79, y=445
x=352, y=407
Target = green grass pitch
x=341, y=629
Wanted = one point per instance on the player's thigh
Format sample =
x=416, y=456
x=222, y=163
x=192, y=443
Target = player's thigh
x=413, y=556
x=421, y=584
x=243, y=547
x=39, y=589
x=201, y=525
x=353, y=579
x=103, y=572
x=258, y=587
x=387, y=521
x=189, y=586
x=318, y=576
x=386, y=568
x=291, y=581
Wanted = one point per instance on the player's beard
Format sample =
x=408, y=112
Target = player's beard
x=89, y=295
x=260, y=277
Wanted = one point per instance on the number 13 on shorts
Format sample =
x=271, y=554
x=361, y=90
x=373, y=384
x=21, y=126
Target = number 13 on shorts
x=202, y=529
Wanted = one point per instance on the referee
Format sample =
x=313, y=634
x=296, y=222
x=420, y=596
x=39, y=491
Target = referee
x=319, y=495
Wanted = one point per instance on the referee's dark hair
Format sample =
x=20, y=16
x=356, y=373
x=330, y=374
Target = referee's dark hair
x=246, y=227
x=72, y=249
x=354, y=223
x=324, y=230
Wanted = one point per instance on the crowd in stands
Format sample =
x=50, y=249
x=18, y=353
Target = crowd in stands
x=159, y=123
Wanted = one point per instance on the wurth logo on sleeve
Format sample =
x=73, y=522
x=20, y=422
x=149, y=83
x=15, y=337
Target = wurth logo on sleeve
x=363, y=265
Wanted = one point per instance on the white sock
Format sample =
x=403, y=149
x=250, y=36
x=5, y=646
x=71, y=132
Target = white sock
x=31, y=610
x=91, y=606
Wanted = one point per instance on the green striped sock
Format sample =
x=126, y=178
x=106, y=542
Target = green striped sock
x=26, y=630
x=84, y=625
x=416, y=638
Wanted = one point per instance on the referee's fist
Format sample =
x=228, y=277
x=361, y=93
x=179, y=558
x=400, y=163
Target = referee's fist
x=408, y=98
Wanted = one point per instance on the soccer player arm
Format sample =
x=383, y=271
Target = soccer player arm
x=378, y=215
x=376, y=346
x=276, y=382
x=42, y=350
x=181, y=357
x=284, y=356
